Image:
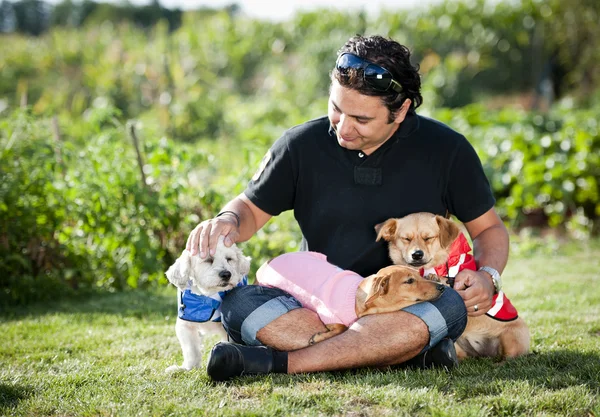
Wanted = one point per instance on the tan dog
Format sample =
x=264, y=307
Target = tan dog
x=390, y=289
x=424, y=240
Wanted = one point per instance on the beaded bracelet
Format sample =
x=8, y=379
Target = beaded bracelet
x=237, y=217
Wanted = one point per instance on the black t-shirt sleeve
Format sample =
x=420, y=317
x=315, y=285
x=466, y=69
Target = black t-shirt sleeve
x=469, y=194
x=273, y=186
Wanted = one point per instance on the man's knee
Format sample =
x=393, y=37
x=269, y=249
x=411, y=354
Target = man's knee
x=245, y=310
x=445, y=317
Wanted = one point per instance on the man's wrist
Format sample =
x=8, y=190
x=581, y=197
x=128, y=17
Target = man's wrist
x=494, y=276
x=232, y=214
x=489, y=278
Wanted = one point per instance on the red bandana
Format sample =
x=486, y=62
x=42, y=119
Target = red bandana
x=460, y=258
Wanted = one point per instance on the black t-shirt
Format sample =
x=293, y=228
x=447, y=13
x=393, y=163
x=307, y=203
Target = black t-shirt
x=339, y=195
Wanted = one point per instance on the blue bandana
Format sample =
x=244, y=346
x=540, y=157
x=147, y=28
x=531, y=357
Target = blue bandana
x=202, y=308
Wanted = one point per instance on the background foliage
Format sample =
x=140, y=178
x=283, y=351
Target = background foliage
x=206, y=92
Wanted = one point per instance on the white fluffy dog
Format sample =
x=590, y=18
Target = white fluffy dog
x=201, y=284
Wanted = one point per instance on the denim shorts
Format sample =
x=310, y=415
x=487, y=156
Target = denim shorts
x=246, y=310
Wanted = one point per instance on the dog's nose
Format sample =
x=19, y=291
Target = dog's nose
x=225, y=274
x=440, y=287
x=417, y=255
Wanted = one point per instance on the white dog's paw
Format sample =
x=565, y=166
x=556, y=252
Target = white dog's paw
x=176, y=369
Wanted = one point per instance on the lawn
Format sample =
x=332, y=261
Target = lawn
x=106, y=355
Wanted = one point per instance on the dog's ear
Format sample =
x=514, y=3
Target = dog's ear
x=380, y=287
x=178, y=273
x=186, y=264
x=449, y=231
x=243, y=263
x=387, y=230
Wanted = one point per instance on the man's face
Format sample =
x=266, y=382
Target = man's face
x=360, y=122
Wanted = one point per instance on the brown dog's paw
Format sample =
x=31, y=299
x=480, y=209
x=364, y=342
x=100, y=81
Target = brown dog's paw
x=433, y=277
x=333, y=329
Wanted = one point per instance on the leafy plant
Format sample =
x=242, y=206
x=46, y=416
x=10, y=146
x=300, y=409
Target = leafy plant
x=538, y=164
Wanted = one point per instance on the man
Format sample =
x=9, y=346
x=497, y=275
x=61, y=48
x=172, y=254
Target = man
x=371, y=159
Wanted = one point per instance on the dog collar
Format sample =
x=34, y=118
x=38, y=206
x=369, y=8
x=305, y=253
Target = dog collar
x=202, y=308
x=459, y=258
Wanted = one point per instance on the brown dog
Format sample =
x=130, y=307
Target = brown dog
x=427, y=241
x=391, y=289
x=340, y=297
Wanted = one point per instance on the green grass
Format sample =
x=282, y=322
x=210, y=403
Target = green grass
x=106, y=355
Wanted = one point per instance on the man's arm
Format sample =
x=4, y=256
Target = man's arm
x=205, y=236
x=490, y=248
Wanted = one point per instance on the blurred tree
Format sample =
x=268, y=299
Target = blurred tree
x=62, y=14
x=69, y=13
x=86, y=8
x=143, y=16
x=8, y=20
x=31, y=16
x=573, y=33
x=148, y=16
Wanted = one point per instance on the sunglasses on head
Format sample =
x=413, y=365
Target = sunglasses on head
x=377, y=77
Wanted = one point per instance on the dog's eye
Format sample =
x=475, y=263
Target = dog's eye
x=427, y=239
x=229, y=259
x=410, y=281
x=209, y=260
x=406, y=239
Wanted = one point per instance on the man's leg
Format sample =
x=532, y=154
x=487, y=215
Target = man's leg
x=305, y=324
x=376, y=340
x=253, y=314
x=248, y=310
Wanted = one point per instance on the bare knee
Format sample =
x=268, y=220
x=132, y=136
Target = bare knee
x=291, y=331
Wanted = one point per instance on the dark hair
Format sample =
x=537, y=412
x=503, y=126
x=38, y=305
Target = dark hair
x=390, y=55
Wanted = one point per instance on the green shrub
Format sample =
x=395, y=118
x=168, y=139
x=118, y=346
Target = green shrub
x=547, y=165
x=75, y=210
x=75, y=214
x=34, y=263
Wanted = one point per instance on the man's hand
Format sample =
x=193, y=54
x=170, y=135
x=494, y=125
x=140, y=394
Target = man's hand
x=205, y=236
x=476, y=289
